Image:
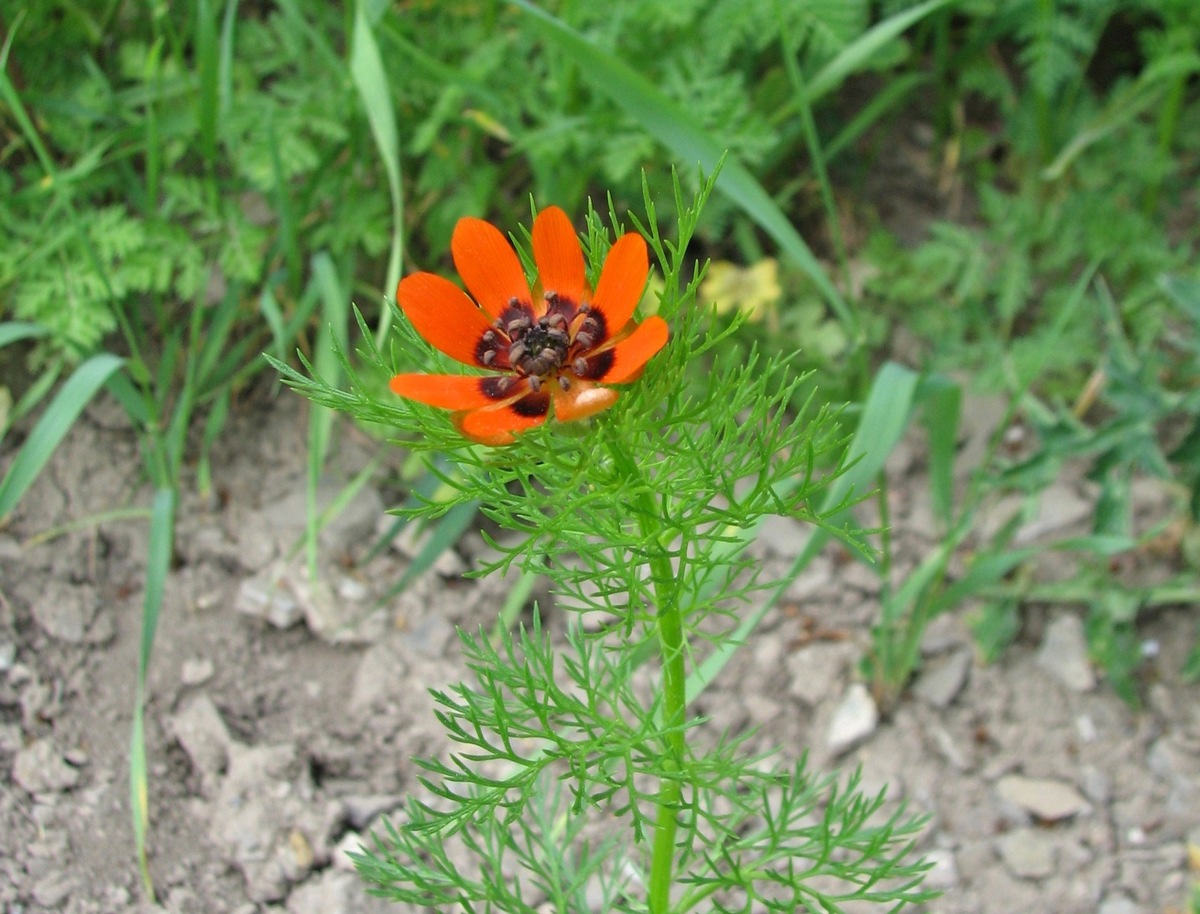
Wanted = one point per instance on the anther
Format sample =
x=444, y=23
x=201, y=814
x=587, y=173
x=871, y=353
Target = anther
x=489, y=336
x=563, y=382
x=516, y=352
x=489, y=356
x=584, y=339
x=580, y=365
x=535, y=383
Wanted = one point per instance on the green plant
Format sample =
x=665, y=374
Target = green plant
x=567, y=767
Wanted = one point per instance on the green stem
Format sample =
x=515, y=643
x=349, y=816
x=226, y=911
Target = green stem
x=670, y=789
x=669, y=624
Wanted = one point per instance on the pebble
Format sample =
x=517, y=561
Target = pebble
x=815, y=671
x=1064, y=654
x=1117, y=903
x=39, y=768
x=263, y=598
x=201, y=732
x=1028, y=853
x=65, y=612
x=350, y=843
x=196, y=671
x=854, y=720
x=51, y=891
x=1045, y=798
x=382, y=672
x=334, y=892
x=943, y=678
x=1059, y=507
x=943, y=872
x=362, y=810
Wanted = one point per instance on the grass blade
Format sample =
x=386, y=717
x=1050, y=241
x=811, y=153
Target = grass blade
x=331, y=338
x=13, y=331
x=366, y=66
x=54, y=424
x=672, y=126
x=857, y=55
x=158, y=561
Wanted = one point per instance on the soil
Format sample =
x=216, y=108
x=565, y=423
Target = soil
x=281, y=722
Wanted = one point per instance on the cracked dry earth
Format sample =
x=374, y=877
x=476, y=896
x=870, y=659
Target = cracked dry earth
x=283, y=715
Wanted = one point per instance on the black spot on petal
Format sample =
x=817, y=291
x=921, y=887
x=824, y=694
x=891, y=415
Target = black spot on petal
x=533, y=405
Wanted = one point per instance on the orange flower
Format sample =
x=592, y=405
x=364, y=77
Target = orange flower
x=554, y=346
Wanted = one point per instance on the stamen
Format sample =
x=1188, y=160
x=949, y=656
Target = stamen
x=563, y=382
x=584, y=339
x=535, y=383
x=516, y=352
x=489, y=356
x=489, y=337
x=580, y=365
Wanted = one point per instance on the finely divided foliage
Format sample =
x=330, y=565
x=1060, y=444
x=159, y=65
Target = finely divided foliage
x=572, y=781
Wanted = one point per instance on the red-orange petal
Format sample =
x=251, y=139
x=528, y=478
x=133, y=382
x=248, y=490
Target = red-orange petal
x=444, y=315
x=622, y=280
x=443, y=391
x=488, y=265
x=558, y=256
x=631, y=354
x=580, y=400
x=498, y=425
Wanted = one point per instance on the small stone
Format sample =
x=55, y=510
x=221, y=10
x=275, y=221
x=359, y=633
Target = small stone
x=815, y=671
x=351, y=843
x=65, y=612
x=263, y=598
x=10, y=737
x=196, y=671
x=39, y=768
x=381, y=672
x=1096, y=784
x=1117, y=903
x=52, y=890
x=854, y=720
x=943, y=874
x=361, y=811
x=1027, y=853
x=1064, y=654
x=202, y=734
x=333, y=892
x=1045, y=798
x=942, y=680
x=76, y=756
x=1060, y=507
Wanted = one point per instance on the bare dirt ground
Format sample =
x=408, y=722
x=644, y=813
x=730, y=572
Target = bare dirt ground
x=282, y=720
